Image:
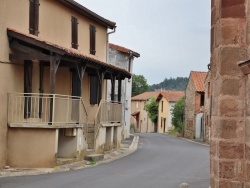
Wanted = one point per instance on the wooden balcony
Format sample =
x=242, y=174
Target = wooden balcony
x=46, y=110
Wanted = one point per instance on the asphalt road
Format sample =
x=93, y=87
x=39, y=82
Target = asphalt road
x=160, y=162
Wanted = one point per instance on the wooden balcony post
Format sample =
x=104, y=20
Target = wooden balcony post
x=119, y=89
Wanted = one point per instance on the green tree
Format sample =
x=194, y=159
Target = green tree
x=177, y=114
x=139, y=85
x=152, y=108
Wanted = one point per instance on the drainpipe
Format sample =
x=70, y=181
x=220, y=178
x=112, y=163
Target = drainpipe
x=107, y=56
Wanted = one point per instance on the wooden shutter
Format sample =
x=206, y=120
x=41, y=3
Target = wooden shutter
x=93, y=90
x=76, y=84
x=34, y=17
x=74, y=30
x=92, y=31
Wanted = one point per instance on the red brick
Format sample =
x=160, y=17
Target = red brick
x=227, y=129
x=229, y=57
x=231, y=108
x=232, y=32
x=230, y=184
x=233, y=9
x=231, y=150
x=227, y=170
x=230, y=87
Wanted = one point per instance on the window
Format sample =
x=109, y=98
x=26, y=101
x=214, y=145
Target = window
x=161, y=106
x=93, y=90
x=92, y=32
x=202, y=100
x=34, y=17
x=74, y=32
x=208, y=89
x=27, y=88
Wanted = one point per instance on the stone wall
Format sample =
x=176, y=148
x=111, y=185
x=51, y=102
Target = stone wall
x=207, y=109
x=229, y=145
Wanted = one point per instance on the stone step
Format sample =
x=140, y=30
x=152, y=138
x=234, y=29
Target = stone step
x=91, y=129
x=94, y=157
x=90, y=145
x=63, y=161
x=90, y=151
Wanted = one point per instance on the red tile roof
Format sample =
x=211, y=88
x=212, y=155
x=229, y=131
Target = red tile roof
x=66, y=51
x=199, y=80
x=123, y=49
x=171, y=95
x=145, y=96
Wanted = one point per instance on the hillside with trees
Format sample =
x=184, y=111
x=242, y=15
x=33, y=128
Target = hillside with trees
x=178, y=83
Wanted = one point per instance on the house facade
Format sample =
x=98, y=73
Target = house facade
x=139, y=117
x=166, y=100
x=53, y=63
x=194, y=105
x=124, y=58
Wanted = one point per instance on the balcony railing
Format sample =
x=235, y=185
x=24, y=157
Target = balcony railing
x=47, y=109
x=108, y=112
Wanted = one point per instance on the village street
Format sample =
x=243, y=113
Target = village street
x=161, y=161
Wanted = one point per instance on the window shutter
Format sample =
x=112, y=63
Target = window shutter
x=27, y=87
x=34, y=17
x=92, y=32
x=74, y=30
x=93, y=90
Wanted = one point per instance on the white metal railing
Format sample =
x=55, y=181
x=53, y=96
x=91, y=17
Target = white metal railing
x=45, y=109
x=108, y=112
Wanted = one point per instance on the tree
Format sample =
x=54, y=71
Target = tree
x=139, y=85
x=152, y=108
x=177, y=114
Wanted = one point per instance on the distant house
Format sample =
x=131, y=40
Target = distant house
x=167, y=100
x=139, y=117
x=122, y=57
x=194, y=105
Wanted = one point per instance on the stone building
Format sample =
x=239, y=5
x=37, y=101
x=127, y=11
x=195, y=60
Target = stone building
x=230, y=118
x=207, y=109
x=194, y=105
x=124, y=58
x=54, y=70
x=166, y=100
x=139, y=117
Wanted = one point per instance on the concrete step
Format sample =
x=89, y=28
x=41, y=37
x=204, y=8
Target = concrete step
x=90, y=151
x=94, y=157
x=63, y=161
x=90, y=145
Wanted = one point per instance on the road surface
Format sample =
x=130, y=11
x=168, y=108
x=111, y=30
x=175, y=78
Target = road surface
x=160, y=162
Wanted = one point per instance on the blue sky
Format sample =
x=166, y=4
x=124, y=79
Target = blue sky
x=172, y=36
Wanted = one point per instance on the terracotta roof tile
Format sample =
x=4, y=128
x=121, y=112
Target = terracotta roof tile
x=199, y=80
x=123, y=49
x=171, y=95
x=145, y=96
x=70, y=51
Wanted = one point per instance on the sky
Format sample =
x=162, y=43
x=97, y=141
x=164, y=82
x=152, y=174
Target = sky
x=172, y=36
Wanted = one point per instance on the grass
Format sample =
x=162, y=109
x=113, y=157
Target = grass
x=173, y=132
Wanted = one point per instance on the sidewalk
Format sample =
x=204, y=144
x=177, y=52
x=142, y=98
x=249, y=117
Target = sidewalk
x=128, y=146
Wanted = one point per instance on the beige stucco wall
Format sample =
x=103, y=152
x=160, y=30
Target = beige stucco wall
x=163, y=114
x=145, y=124
x=55, y=18
x=29, y=148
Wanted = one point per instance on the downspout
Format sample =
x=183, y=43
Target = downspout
x=107, y=55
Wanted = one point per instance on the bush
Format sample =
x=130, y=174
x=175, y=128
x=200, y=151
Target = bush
x=177, y=114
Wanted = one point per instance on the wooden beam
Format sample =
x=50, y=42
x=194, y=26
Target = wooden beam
x=119, y=89
x=113, y=78
x=34, y=41
x=31, y=57
x=22, y=48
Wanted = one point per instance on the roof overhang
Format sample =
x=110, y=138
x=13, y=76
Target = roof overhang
x=71, y=4
x=72, y=55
